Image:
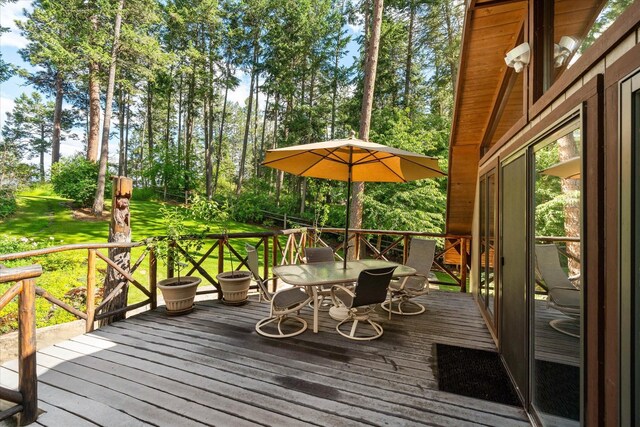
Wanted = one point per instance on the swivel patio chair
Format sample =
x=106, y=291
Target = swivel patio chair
x=421, y=255
x=370, y=290
x=283, y=303
x=562, y=294
x=322, y=254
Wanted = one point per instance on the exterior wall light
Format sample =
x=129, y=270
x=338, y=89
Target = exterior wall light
x=518, y=57
x=563, y=50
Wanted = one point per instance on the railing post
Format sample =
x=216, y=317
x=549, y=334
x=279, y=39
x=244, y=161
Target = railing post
x=463, y=267
x=27, y=352
x=266, y=257
x=153, y=278
x=405, y=250
x=274, y=259
x=91, y=289
x=356, y=246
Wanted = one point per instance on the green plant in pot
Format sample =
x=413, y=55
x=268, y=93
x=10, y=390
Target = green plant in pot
x=178, y=292
x=234, y=284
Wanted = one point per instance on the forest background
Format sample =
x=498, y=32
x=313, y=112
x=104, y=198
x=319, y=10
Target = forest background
x=154, y=77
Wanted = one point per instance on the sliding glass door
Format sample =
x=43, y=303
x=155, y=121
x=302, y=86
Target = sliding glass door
x=630, y=251
x=556, y=277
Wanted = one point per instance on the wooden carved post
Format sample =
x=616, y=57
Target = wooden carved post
x=119, y=232
x=27, y=352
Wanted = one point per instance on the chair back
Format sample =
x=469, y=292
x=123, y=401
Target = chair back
x=253, y=264
x=421, y=255
x=548, y=265
x=323, y=254
x=372, y=286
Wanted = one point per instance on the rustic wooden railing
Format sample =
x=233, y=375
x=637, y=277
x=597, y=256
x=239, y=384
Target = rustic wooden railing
x=26, y=397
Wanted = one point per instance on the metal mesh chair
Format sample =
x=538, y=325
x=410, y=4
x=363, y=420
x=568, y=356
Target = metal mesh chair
x=283, y=303
x=323, y=254
x=562, y=294
x=370, y=290
x=421, y=255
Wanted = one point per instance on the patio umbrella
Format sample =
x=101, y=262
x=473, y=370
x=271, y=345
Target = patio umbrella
x=353, y=159
x=569, y=169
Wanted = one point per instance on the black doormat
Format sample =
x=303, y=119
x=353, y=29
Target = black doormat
x=558, y=389
x=473, y=373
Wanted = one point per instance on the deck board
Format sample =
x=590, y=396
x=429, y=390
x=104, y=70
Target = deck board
x=210, y=367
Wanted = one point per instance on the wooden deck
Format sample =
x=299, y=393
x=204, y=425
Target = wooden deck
x=211, y=368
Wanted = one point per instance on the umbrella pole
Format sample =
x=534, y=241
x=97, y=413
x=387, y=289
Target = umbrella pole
x=346, y=228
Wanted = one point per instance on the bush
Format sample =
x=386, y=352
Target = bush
x=75, y=178
x=7, y=202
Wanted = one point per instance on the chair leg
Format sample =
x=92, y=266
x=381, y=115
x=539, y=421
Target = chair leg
x=352, y=333
x=280, y=319
x=561, y=325
x=401, y=302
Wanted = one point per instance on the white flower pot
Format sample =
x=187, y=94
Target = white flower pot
x=235, y=286
x=179, y=296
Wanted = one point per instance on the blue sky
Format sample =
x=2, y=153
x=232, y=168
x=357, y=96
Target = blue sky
x=12, y=41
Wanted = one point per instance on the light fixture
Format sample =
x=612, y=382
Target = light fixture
x=518, y=57
x=563, y=50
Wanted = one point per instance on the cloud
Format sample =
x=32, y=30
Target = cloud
x=6, y=106
x=10, y=13
x=241, y=92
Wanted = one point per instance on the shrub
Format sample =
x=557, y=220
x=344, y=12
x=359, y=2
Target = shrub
x=7, y=202
x=75, y=178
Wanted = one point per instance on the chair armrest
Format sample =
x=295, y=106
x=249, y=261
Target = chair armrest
x=343, y=288
x=405, y=278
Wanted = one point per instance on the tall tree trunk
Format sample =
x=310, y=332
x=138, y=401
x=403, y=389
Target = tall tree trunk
x=94, y=112
x=94, y=95
x=409, y=61
x=151, y=145
x=188, y=140
x=567, y=149
x=247, y=125
x=357, y=189
x=179, y=143
x=98, y=203
x=42, y=151
x=121, y=109
x=255, y=129
x=57, y=119
x=334, y=83
x=126, y=137
x=222, y=119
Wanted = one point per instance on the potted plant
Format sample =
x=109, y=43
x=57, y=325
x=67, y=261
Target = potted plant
x=235, y=283
x=178, y=292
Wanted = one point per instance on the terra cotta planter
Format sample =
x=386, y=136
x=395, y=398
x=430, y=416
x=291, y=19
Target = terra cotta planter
x=235, y=286
x=179, y=297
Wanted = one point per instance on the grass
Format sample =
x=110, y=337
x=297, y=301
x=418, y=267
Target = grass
x=45, y=219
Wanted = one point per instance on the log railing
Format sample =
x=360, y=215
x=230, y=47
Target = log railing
x=26, y=397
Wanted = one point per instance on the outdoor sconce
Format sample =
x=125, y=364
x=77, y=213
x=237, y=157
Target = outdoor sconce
x=518, y=57
x=563, y=50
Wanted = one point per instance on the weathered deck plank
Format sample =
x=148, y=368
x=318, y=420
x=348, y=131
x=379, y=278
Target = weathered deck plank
x=211, y=368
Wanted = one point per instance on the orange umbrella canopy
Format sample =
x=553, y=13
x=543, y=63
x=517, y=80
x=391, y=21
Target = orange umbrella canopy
x=366, y=161
x=569, y=169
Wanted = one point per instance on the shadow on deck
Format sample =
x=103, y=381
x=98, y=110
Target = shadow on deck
x=210, y=367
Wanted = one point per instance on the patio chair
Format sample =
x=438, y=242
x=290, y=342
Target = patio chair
x=323, y=254
x=370, y=290
x=283, y=303
x=421, y=255
x=562, y=294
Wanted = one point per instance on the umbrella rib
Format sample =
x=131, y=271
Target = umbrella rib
x=323, y=157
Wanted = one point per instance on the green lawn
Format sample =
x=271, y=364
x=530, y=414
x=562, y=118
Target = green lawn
x=44, y=219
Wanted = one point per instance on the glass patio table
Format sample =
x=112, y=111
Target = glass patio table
x=319, y=274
